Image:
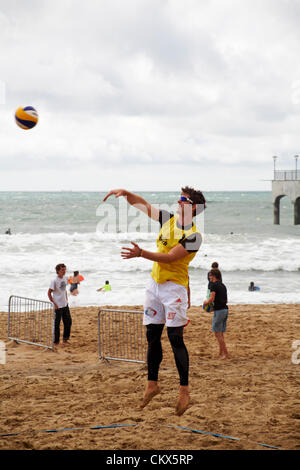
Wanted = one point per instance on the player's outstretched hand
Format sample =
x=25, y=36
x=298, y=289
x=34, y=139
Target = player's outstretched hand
x=134, y=252
x=116, y=192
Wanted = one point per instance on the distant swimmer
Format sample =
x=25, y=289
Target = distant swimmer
x=252, y=287
x=75, y=281
x=8, y=232
x=105, y=288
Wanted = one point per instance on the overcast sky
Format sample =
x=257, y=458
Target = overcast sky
x=149, y=94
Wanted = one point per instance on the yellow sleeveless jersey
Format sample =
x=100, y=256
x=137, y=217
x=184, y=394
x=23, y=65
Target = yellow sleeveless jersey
x=176, y=271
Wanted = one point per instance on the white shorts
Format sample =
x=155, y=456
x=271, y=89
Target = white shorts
x=166, y=304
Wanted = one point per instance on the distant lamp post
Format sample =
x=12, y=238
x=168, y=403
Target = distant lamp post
x=296, y=161
x=274, y=160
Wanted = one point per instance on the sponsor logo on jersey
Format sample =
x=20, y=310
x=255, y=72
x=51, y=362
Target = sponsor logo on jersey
x=150, y=312
x=171, y=315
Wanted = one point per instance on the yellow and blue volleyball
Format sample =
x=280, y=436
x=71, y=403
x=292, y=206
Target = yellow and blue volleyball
x=27, y=117
x=207, y=307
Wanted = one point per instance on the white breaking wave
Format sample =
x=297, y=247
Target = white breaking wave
x=28, y=264
x=25, y=253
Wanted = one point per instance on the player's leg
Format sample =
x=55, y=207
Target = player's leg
x=154, y=358
x=175, y=300
x=154, y=353
x=175, y=335
x=154, y=319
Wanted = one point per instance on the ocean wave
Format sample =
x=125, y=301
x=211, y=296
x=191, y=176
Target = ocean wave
x=208, y=238
x=249, y=269
x=28, y=254
x=21, y=239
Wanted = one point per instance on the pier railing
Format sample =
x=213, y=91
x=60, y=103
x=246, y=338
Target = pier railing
x=286, y=175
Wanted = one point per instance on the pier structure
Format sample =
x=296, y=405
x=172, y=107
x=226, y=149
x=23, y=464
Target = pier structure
x=286, y=183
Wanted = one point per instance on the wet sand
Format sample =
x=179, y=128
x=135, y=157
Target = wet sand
x=253, y=397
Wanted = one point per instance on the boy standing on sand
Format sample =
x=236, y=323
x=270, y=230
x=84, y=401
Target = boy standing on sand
x=166, y=299
x=57, y=294
x=218, y=296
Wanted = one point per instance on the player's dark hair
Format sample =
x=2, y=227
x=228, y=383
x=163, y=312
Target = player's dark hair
x=197, y=198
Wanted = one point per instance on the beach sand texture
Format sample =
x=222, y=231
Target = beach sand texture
x=253, y=397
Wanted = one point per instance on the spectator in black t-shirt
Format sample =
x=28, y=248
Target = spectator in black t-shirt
x=218, y=296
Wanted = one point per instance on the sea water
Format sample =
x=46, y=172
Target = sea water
x=78, y=229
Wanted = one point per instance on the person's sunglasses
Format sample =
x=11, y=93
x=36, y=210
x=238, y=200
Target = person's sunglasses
x=186, y=199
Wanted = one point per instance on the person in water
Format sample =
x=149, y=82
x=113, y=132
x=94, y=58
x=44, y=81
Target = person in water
x=105, y=288
x=74, y=281
x=252, y=287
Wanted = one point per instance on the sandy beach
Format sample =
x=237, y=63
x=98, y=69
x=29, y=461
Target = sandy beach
x=253, y=397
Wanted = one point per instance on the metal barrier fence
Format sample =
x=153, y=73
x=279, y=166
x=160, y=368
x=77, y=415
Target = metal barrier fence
x=121, y=335
x=31, y=321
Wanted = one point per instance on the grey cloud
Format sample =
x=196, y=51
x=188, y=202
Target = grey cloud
x=146, y=81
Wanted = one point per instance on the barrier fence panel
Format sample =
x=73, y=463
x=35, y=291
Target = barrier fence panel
x=121, y=335
x=31, y=321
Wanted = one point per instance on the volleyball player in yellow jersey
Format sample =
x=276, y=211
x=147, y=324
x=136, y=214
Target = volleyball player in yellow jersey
x=166, y=299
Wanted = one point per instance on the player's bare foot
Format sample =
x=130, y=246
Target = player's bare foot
x=183, y=400
x=152, y=389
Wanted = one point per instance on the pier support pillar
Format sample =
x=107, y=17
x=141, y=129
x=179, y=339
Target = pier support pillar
x=290, y=188
x=276, y=212
x=297, y=211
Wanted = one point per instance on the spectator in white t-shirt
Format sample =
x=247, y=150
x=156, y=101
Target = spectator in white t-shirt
x=57, y=294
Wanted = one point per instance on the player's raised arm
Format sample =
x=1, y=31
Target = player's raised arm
x=135, y=200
